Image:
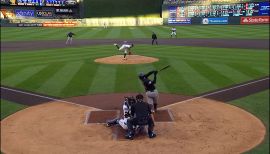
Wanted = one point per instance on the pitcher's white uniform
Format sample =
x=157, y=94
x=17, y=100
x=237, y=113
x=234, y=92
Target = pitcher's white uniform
x=124, y=47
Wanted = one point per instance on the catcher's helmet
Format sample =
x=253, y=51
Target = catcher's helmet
x=139, y=97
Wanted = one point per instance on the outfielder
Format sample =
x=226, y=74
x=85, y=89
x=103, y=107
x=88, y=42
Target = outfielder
x=150, y=89
x=125, y=47
x=173, y=32
x=128, y=102
x=69, y=37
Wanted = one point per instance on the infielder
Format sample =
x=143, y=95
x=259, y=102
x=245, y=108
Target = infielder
x=150, y=89
x=173, y=32
x=125, y=47
x=69, y=37
x=128, y=102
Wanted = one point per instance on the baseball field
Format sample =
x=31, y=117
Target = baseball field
x=203, y=60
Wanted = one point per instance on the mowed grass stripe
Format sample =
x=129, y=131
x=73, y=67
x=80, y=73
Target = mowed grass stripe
x=126, y=33
x=88, y=33
x=81, y=81
x=104, y=77
x=262, y=69
x=197, y=81
x=247, y=70
x=59, y=80
x=53, y=57
x=137, y=32
x=229, y=72
x=125, y=77
x=40, y=77
x=52, y=52
x=102, y=33
x=5, y=73
x=174, y=86
x=114, y=33
x=211, y=74
x=22, y=75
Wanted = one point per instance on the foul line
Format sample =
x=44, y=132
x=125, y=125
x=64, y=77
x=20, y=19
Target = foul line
x=53, y=99
x=216, y=92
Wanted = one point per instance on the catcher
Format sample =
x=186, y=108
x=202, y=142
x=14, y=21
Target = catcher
x=125, y=47
x=128, y=102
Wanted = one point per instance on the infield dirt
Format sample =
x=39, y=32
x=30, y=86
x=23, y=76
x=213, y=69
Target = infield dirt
x=130, y=59
x=199, y=126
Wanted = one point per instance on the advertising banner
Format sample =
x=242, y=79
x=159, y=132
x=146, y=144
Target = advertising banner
x=264, y=8
x=216, y=21
x=44, y=13
x=25, y=13
x=29, y=25
x=63, y=11
x=179, y=20
x=255, y=20
x=60, y=24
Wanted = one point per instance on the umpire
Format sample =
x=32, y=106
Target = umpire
x=141, y=115
x=154, y=38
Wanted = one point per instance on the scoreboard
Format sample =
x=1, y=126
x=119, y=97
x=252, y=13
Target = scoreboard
x=220, y=10
x=40, y=2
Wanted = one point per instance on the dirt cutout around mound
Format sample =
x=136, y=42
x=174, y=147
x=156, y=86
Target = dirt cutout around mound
x=130, y=59
x=200, y=126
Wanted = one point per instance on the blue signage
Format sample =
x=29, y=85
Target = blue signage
x=179, y=20
x=215, y=21
x=25, y=13
x=264, y=8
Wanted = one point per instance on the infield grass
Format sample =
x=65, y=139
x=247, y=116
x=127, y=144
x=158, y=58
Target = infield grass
x=8, y=108
x=193, y=31
x=72, y=71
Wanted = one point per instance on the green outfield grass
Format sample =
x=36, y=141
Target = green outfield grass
x=72, y=71
x=195, y=31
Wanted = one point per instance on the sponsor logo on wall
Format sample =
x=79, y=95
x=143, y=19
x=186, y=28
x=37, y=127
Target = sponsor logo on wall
x=60, y=24
x=63, y=11
x=25, y=13
x=215, y=21
x=179, y=20
x=30, y=25
x=44, y=13
x=255, y=20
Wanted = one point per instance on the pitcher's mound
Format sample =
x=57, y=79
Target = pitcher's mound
x=131, y=59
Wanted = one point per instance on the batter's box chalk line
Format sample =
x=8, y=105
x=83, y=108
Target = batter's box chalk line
x=101, y=116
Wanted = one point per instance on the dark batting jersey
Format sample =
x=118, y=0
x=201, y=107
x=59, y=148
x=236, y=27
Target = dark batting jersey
x=149, y=85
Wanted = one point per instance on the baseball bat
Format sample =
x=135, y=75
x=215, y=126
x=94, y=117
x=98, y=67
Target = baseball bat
x=163, y=68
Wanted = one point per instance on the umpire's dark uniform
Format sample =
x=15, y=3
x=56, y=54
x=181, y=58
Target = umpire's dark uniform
x=154, y=38
x=141, y=115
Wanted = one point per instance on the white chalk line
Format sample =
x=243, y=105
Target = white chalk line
x=216, y=92
x=53, y=99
